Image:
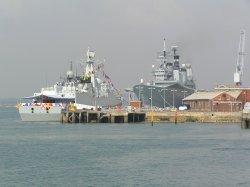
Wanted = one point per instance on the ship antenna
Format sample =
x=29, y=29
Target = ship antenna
x=164, y=47
x=164, y=51
x=76, y=70
x=71, y=66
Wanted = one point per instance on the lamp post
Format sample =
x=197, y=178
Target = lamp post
x=184, y=91
x=139, y=92
x=129, y=91
x=164, y=92
x=173, y=96
x=139, y=95
x=151, y=97
x=245, y=96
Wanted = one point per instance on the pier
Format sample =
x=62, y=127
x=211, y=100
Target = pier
x=123, y=116
x=245, y=122
x=93, y=116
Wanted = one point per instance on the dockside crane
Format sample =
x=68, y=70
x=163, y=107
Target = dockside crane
x=240, y=60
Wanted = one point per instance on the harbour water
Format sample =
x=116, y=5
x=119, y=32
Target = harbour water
x=190, y=154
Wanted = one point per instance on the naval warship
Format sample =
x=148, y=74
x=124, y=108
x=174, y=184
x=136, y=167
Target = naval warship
x=96, y=90
x=172, y=81
x=82, y=92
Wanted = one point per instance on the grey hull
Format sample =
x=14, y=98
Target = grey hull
x=89, y=99
x=172, y=98
x=40, y=114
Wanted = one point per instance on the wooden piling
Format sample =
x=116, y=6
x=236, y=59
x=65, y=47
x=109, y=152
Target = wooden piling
x=80, y=117
x=126, y=119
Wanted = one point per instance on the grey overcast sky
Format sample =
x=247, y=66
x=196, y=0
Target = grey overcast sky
x=38, y=39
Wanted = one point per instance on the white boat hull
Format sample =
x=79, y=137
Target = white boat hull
x=38, y=113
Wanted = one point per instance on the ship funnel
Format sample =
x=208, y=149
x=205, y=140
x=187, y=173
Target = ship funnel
x=141, y=81
x=176, y=57
x=189, y=72
x=183, y=73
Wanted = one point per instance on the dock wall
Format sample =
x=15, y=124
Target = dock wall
x=188, y=116
x=91, y=116
x=120, y=116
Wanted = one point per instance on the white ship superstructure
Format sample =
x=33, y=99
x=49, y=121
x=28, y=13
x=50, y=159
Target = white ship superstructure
x=48, y=104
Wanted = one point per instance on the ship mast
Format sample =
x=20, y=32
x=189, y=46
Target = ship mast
x=240, y=60
x=164, y=50
x=71, y=66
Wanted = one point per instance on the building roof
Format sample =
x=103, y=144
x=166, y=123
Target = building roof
x=210, y=95
x=201, y=96
x=234, y=93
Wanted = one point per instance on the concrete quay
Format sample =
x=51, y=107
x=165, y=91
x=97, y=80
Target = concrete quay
x=123, y=116
x=110, y=116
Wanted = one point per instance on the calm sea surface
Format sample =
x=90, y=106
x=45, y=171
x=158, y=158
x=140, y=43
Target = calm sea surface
x=191, y=154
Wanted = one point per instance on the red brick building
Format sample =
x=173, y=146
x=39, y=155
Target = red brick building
x=221, y=100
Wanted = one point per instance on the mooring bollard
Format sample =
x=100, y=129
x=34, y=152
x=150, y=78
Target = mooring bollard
x=175, y=120
x=152, y=118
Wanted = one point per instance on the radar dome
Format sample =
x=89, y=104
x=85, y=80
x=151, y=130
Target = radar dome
x=70, y=74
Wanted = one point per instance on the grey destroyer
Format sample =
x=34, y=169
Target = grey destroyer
x=172, y=81
x=96, y=89
x=74, y=92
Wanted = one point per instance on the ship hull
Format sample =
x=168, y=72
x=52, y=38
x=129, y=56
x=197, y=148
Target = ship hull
x=40, y=114
x=110, y=100
x=174, y=93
